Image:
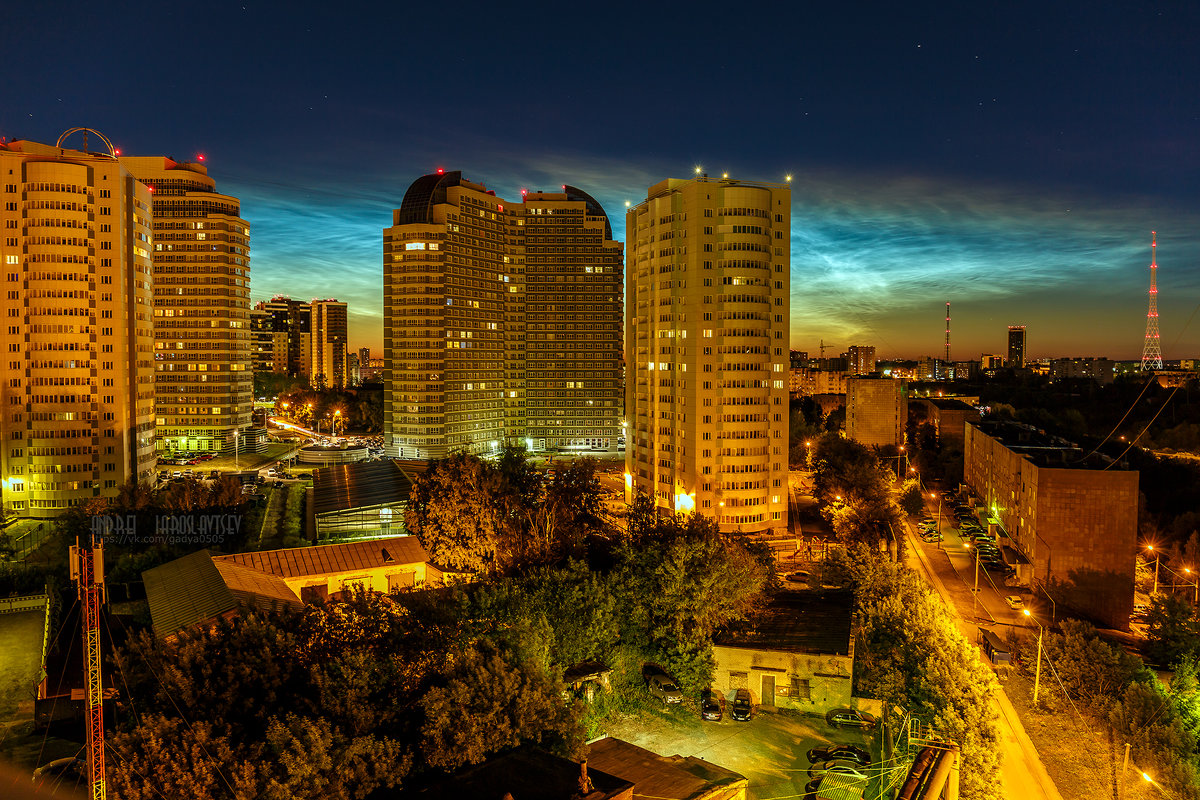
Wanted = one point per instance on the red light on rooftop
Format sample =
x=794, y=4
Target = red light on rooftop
x=524, y=192
x=200, y=157
x=117, y=150
x=441, y=171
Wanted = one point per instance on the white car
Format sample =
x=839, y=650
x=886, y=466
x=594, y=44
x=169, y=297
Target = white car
x=665, y=689
x=1014, y=602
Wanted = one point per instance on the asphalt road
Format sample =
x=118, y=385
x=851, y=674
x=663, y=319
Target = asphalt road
x=1021, y=771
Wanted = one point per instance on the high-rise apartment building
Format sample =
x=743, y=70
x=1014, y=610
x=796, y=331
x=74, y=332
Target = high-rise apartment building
x=77, y=399
x=328, y=360
x=706, y=342
x=290, y=324
x=876, y=411
x=1016, y=346
x=269, y=346
x=204, y=380
x=502, y=321
x=861, y=360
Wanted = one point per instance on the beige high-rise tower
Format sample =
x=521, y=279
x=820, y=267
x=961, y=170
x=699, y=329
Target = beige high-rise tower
x=204, y=379
x=327, y=368
x=502, y=321
x=77, y=400
x=706, y=347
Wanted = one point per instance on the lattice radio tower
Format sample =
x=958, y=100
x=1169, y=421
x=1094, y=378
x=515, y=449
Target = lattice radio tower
x=1152, y=351
x=947, y=333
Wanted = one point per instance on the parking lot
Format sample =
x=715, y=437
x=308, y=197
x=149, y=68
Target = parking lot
x=770, y=749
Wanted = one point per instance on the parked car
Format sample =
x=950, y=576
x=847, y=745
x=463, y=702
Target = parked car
x=846, y=752
x=710, y=706
x=800, y=576
x=742, y=706
x=665, y=689
x=839, y=767
x=849, y=718
x=1015, y=602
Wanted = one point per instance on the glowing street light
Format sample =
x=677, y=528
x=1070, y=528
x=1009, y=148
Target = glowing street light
x=1037, y=674
x=1157, y=555
x=1196, y=584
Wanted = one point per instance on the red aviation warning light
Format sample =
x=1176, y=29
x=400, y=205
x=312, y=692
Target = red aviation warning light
x=200, y=157
x=441, y=171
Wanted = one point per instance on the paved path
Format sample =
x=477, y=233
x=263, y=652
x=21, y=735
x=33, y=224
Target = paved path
x=1022, y=771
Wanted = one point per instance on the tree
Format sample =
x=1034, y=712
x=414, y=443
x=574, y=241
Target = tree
x=485, y=704
x=1089, y=667
x=912, y=501
x=1172, y=630
x=453, y=511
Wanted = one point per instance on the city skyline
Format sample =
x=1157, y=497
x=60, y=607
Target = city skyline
x=1013, y=169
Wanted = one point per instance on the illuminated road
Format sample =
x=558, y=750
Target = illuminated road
x=1021, y=770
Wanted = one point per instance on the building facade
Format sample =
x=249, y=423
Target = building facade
x=1071, y=519
x=1101, y=370
x=328, y=367
x=289, y=323
x=861, y=360
x=1016, y=347
x=204, y=380
x=77, y=400
x=876, y=411
x=502, y=321
x=706, y=347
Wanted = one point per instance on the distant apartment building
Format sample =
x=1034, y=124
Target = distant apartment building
x=991, y=361
x=876, y=411
x=860, y=360
x=1068, y=519
x=268, y=346
x=203, y=382
x=1101, y=370
x=502, y=321
x=1016, y=347
x=289, y=324
x=353, y=371
x=798, y=358
x=805, y=382
x=706, y=345
x=328, y=346
x=77, y=400
x=948, y=415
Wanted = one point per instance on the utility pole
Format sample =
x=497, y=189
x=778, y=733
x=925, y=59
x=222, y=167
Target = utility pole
x=87, y=570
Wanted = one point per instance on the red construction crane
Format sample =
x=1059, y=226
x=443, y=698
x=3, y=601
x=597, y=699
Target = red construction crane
x=87, y=570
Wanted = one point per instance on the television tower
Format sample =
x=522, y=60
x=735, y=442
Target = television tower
x=947, y=332
x=1152, y=352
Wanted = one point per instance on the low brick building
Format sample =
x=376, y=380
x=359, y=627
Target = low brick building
x=1071, y=517
x=797, y=653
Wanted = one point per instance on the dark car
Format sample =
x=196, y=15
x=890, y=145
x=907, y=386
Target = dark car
x=849, y=717
x=741, y=706
x=710, y=707
x=845, y=752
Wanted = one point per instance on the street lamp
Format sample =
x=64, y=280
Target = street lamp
x=1037, y=675
x=336, y=418
x=1157, y=555
x=1196, y=584
x=975, y=591
x=236, y=442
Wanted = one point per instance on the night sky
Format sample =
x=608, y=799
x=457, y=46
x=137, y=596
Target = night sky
x=1010, y=158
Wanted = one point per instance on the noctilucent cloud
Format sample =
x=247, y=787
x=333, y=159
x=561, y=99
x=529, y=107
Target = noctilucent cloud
x=1011, y=160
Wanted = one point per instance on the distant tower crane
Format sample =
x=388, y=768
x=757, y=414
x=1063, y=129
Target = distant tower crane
x=1152, y=351
x=87, y=570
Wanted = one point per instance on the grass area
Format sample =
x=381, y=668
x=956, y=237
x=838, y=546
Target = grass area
x=1081, y=757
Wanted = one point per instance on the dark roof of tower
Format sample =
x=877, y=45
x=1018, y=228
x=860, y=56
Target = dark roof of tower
x=426, y=192
x=593, y=207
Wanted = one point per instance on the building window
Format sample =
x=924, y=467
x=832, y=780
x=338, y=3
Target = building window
x=801, y=689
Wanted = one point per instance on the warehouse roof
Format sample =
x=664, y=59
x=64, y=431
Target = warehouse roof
x=364, y=484
x=796, y=622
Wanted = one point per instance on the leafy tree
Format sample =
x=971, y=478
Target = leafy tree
x=1172, y=630
x=680, y=584
x=452, y=511
x=311, y=759
x=486, y=704
x=912, y=501
x=1089, y=667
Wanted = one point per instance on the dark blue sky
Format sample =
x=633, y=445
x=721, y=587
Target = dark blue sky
x=1011, y=158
